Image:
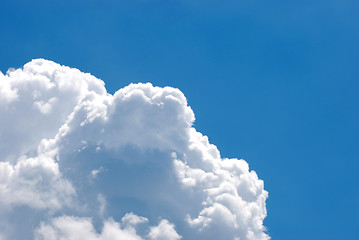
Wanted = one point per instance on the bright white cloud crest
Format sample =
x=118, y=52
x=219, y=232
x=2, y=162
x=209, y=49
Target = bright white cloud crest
x=79, y=163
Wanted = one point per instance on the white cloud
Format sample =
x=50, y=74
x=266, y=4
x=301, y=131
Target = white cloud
x=74, y=228
x=76, y=156
x=35, y=182
x=164, y=231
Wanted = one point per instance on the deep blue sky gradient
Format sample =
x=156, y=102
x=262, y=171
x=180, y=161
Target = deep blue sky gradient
x=273, y=82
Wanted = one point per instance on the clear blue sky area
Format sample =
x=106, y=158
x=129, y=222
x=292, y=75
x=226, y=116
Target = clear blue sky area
x=273, y=82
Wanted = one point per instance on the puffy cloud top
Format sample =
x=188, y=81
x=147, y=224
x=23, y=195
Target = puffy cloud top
x=79, y=163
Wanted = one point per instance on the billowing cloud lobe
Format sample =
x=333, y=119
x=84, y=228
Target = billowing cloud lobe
x=79, y=163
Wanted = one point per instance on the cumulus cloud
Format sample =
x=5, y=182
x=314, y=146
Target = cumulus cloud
x=164, y=231
x=73, y=228
x=84, y=164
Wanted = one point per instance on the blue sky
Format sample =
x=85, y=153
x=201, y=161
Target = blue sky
x=273, y=82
